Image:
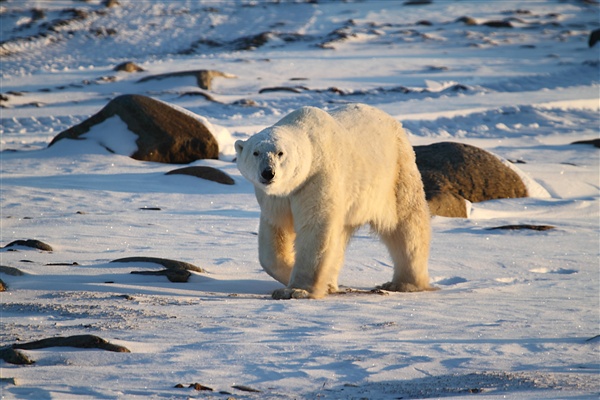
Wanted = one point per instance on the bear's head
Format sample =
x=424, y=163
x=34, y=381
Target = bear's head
x=276, y=160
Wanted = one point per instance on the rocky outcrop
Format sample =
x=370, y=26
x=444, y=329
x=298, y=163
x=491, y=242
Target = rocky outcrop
x=204, y=77
x=165, y=134
x=204, y=172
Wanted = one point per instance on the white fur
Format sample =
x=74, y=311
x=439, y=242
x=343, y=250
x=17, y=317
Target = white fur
x=332, y=173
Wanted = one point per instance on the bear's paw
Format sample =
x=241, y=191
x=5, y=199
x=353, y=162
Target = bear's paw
x=290, y=293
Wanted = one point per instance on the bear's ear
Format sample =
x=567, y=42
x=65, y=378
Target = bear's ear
x=239, y=146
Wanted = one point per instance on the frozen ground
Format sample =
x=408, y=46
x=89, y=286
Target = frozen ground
x=518, y=313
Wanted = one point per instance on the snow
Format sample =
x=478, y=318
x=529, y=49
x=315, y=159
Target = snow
x=113, y=135
x=517, y=314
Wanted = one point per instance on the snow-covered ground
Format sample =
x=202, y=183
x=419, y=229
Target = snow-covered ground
x=517, y=315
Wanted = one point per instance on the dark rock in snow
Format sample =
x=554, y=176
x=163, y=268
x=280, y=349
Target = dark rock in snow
x=33, y=243
x=498, y=24
x=165, y=262
x=594, y=37
x=492, y=23
x=244, y=388
x=280, y=89
x=593, y=142
x=467, y=21
x=446, y=204
x=200, y=387
x=524, y=226
x=245, y=103
x=454, y=171
x=201, y=94
x=252, y=42
x=128, y=66
x=417, y=2
x=111, y=3
x=11, y=271
x=176, y=271
x=12, y=356
x=178, y=276
x=203, y=77
x=9, y=381
x=204, y=172
x=3, y=287
x=165, y=134
x=79, y=341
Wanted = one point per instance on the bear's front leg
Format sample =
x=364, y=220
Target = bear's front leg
x=276, y=250
x=319, y=257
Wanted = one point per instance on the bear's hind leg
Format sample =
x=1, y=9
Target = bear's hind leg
x=408, y=245
x=276, y=250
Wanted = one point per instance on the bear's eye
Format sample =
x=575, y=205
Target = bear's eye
x=280, y=154
x=255, y=154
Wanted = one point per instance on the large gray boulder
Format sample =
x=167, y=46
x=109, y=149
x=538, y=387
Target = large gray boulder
x=165, y=134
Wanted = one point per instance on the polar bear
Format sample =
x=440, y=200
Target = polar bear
x=318, y=177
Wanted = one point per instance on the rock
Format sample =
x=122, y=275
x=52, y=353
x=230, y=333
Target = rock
x=417, y=2
x=204, y=77
x=66, y=264
x=594, y=37
x=244, y=388
x=492, y=24
x=11, y=271
x=128, y=67
x=33, y=243
x=245, y=103
x=454, y=171
x=165, y=262
x=165, y=134
x=498, y=24
x=12, y=356
x=203, y=172
x=9, y=381
x=252, y=42
x=177, y=276
x=447, y=204
x=280, y=89
x=244, y=43
x=467, y=21
x=79, y=341
x=176, y=271
x=524, y=226
x=593, y=142
x=201, y=94
x=3, y=287
x=200, y=387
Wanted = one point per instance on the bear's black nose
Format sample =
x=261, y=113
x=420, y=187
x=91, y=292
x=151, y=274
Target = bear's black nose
x=267, y=174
